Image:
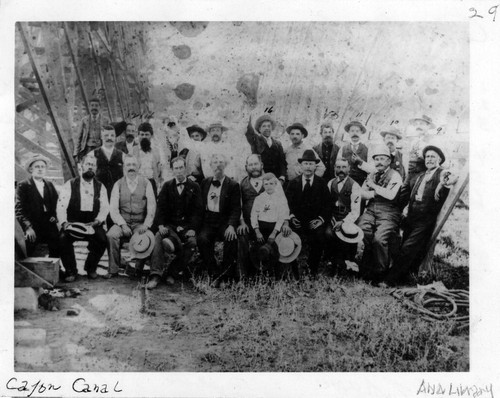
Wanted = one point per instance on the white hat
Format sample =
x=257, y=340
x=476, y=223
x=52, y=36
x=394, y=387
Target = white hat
x=141, y=245
x=350, y=233
x=289, y=247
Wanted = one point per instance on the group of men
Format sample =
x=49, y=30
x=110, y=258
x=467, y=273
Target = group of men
x=330, y=197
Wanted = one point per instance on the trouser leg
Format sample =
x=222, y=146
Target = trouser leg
x=386, y=227
x=206, y=242
x=243, y=262
x=97, y=247
x=158, y=257
x=367, y=224
x=114, y=237
x=229, y=254
x=316, y=240
x=67, y=253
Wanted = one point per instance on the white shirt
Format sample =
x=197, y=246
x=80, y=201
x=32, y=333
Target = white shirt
x=269, y=208
x=427, y=176
x=180, y=188
x=388, y=192
x=304, y=182
x=107, y=152
x=269, y=141
x=256, y=183
x=40, y=185
x=353, y=215
x=214, y=196
x=130, y=146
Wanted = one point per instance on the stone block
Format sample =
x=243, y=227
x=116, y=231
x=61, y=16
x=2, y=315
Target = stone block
x=25, y=298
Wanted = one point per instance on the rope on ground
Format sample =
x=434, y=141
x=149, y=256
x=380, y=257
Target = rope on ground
x=436, y=305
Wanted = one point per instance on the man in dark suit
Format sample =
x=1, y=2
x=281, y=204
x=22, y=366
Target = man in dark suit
x=327, y=150
x=36, y=202
x=269, y=148
x=178, y=217
x=127, y=146
x=425, y=196
x=221, y=201
x=309, y=204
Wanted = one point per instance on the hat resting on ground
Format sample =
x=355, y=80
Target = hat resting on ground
x=289, y=247
x=350, y=233
x=79, y=230
x=298, y=126
x=355, y=123
x=308, y=156
x=381, y=149
x=35, y=158
x=141, y=245
x=435, y=149
x=195, y=128
x=424, y=118
x=215, y=125
x=393, y=131
x=265, y=118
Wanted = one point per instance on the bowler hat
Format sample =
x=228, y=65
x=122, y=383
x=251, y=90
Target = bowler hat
x=264, y=118
x=350, y=233
x=308, y=156
x=435, y=149
x=424, y=118
x=79, y=230
x=381, y=149
x=289, y=247
x=195, y=128
x=297, y=126
x=35, y=158
x=119, y=127
x=141, y=245
x=215, y=125
x=355, y=123
x=393, y=131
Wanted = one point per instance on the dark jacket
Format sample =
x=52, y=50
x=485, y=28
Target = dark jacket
x=174, y=209
x=248, y=195
x=29, y=203
x=306, y=210
x=229, y=202
x=122, y=146
x=329, y=163
x=109, y=171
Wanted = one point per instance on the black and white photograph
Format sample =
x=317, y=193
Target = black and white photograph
x=248, y=196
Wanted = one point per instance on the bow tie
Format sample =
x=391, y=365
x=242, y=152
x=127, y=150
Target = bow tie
x=216, y=183
x=179, y=184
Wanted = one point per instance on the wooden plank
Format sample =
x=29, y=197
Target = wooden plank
x=28, y=103
x=29, y=124
x=33, y=147
x=46, y=268
x=23, y=277
x=21, y=174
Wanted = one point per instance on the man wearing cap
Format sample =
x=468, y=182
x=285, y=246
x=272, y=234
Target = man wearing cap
x=132, y=209
x=148, y=157
x=36, y=202
x=355, y=151
x=84, y=200
x=310, y=208
x=380, y=221
x=221, y=201
x=178, y=217
x=128, y=145
x=416, y=164
x=192, y=153
x=269, y=148
x=327, y=149
x=425, y=196
x=297, y=133
x=89, y=131
x=345, y=201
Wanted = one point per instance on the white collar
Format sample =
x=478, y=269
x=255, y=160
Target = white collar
x=311, y=179
x=107, y=150
x=130, y=181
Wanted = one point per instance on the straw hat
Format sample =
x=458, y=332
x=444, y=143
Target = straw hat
x=289, y=247
x=141, y=245
x=350, y=233
x=79, y=230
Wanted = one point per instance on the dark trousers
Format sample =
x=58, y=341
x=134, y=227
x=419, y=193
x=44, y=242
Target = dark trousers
x=245, y=265
x=213, y=230
x=336, y=250
x=268, y=254
x=46, y=232
x=315, y=239
x=97, y=247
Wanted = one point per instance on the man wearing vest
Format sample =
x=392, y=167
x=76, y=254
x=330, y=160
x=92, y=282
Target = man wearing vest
x=178, y=218
x=109, y=160
x=309, y=206
x=425, y=197
x=416, y=164
x=221, y=201
x=269, y=148
x=355, y=151
x=127, y=146
x=345, y=199
x=380, y=221
x=83, y=199
x=132, y=209
x=89, y=131
x=327, y=150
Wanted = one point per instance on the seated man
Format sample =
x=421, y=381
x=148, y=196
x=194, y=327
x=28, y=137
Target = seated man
x=36, y=202
x=83, y=199
x=308, y=200
x=132, y=209
x=221, y=201
x=269, y=213
x=178, y=218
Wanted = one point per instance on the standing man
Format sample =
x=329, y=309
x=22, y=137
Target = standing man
x=132, y=209
x=84, y=200
x=221, y=201
x=425, y=197
x=297, y=133
x=192, y=153
x=178, y=218
x=308, y=200
x=269, y=148
x=416, y=163
x=355, y=151
x=36, y=202
x=380, y=221
x=327, y=150
x=149, y=160
x=89, y=131
x=129, y=144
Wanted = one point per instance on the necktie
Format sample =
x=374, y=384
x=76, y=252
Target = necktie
x=378, y=176
x=307, y=186
x=216, y=183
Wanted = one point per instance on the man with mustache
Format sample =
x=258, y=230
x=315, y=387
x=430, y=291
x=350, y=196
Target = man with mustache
x=327, y=149
x=83, y=199
x=270, y=149
x=192, y=152
x=132, y=209
x=89, y=131
x=355, y=151
x=297, y=133
x=221, y=201
x=109, y=159
x=425, y=196
x=380, y=221
x=416, y=163
x=129, y=144
x=150, y=165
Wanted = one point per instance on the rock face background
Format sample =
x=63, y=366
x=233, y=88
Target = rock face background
x=378, y=73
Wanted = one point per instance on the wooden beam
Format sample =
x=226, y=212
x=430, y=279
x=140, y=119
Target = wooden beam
x=118, y=95
x=21, y=174
x=45, y=98
x=30, y=124
x=28, y=103
x=104, y=41
x=34, y=147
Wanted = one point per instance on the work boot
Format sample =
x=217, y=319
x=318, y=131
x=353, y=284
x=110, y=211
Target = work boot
x=92, y=275
x=70, y=278
x=153, y=282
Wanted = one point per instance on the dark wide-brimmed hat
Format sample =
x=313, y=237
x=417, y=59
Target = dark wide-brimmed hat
x=196, y=128
x=141, y=245
x=308, y=156
x=215, y=125
x=435, y=149
x=79, y=230
x=119, y=127
x=393, y=131
x=171, y=244
x=355, y=123
x=35, y=158
x=298, y=126
x=424, y=118
x=350, y=233
x=265, y=118
x=289, y=247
